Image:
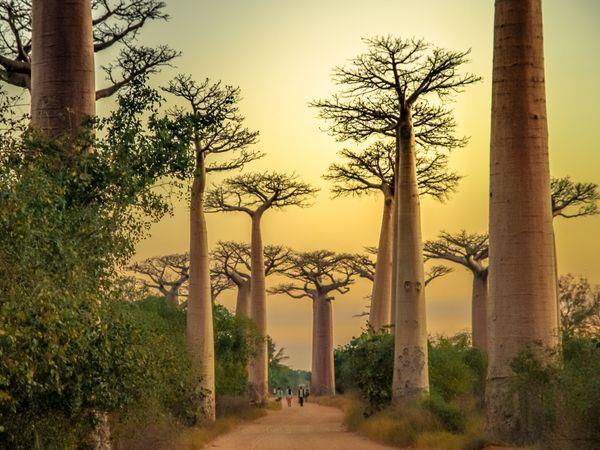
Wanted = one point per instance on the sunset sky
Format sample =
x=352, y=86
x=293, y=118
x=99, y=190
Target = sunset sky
x=281, y=54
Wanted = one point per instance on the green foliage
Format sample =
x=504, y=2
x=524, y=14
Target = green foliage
x=559, y=404
x=69, y=217
x=366, y=365
x=236, y=339
x=281, y=375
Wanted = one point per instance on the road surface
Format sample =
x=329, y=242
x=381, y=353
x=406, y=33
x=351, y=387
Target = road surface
x=311, y=427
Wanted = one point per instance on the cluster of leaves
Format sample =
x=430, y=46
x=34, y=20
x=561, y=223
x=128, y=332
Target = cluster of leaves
x=71, y=213
x=456, y=371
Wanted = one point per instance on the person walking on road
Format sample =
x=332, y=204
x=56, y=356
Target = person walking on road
x=288, y=396
x=301, y=395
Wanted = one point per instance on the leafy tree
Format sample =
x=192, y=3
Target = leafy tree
x=579, y=304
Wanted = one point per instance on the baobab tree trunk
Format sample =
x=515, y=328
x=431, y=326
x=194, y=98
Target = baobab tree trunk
x=323, y=377
x=411, y=375
x=394, y=259
x=258, y=368
x=381, y=296
x=522, y=280
x=242, y=305
x=173, y=298
x=62, y=66
x=199, y=330
x=479, y=310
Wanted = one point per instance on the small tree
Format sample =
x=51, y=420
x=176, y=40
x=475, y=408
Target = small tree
x=579, y=306
x=167, y=274
x=371, y=171
x=317, y=276
x=217, y=131
x=232, y=261
x=254, y=194
x=393, y=90
x=116, y=23
x=470, y=251
x=573, y=199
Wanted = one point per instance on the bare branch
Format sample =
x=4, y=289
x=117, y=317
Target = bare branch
x=571, y=199
x=468, y=250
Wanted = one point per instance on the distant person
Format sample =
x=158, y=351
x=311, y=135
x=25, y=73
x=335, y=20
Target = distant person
x=278, y=394
x=288, y=395
x=306, y=394
x=301, y=396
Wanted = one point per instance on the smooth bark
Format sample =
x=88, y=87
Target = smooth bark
x=199, y=328
x=479, y=310
x=381, y=295
x=522, y=284
x=322, y=373
x=242, y=304
x=62, y=67
x=258, y=373
x=411, y=374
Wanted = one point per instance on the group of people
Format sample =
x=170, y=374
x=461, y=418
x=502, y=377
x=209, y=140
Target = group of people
x=288, y=393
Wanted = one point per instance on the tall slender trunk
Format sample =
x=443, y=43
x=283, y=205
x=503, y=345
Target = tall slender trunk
x=62, y=66
x=242, y=305
x=381, y=296
x=173, y=297
x=479, y=310
x=199, y=329
x=522, y=273
x=411, y=374
x=394, y=259
x=259, y=373
x=323, y=376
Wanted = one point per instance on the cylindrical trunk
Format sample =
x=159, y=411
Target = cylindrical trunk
x=62, y=65
x=479, y=310
x=258, y=376
x=199, y=330
x=173, y=298
x=522, y=284
x=394, y=260
x=411, y=374
x=242, y=305
x=381, y=296
x=323, y=376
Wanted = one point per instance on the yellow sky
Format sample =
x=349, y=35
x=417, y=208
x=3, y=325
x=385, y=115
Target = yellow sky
x=281, y=52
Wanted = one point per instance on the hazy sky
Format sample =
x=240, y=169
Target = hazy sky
x=281, y=54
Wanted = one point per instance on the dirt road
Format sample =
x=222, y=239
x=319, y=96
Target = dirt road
x=312, y=427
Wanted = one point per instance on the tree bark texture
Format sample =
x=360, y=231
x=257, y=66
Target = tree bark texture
x=522, y=280
x=62, y=68
x=322, y=374
x=411, y=374
x=258, y=368
x=479, y=311
x=242, y=305
x=381, y=296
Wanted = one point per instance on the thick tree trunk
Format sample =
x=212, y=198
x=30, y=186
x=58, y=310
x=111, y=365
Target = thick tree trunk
x=62, y=66
x=323, y=377
x=394, y=259
x=199, y=330
x=381, y=296
x=522, y=284
x=258, y=376
x=411, y=374
x=479, y=311
x=242, y=305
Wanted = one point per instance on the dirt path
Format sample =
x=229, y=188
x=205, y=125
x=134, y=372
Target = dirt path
x=312, y=427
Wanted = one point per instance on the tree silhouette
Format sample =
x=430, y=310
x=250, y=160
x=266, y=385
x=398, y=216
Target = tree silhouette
x=232, y=260
x=370, y=171
x=218, y=135
x=116, y=23
x=167, y=274
x=573, y=199
x=254, y=194
x=317, y=276
x=393, y=90
x=470, y=251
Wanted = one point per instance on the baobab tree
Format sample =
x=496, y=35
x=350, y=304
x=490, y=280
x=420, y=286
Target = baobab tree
x=317, y=276
x=167, y=274
x=522, y=279
x=254, y=194
x=572, y=199
x=470, y=251
x=87, y=27
x=372, y=170
x=218, y=135
x=232, y=261
x=392, y=91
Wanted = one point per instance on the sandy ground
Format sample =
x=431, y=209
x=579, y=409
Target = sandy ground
x=311, y=427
